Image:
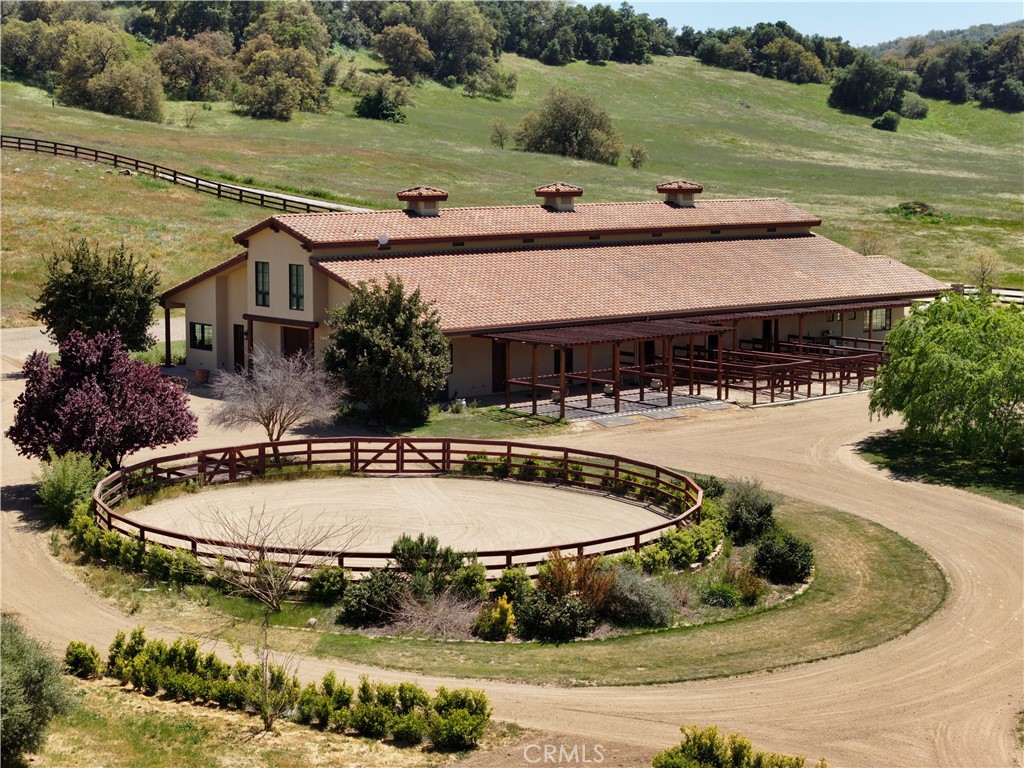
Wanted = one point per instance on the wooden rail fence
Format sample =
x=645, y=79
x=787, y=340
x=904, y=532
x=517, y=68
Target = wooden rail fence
x=280, y=202
x=673, y=495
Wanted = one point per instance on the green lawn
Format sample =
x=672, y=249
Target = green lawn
x=738, y=134
x=940, y=465
x=871, y=585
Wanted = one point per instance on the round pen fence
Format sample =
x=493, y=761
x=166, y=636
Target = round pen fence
x=674, y=496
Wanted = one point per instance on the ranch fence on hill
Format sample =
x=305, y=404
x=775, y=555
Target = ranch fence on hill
x=264, y=199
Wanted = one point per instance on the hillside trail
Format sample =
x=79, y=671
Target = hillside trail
x=945, y=694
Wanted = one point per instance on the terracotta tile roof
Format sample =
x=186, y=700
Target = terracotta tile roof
x=495, y=290
x=326, y=230
x=559, y=188
x=205, y=274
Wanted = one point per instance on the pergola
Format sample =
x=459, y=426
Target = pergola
x=791, y=365
x=662, y=368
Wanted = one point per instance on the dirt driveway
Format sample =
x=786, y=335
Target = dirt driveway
x=944, y=695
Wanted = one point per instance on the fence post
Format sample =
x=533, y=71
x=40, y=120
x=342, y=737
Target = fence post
x=400, y=456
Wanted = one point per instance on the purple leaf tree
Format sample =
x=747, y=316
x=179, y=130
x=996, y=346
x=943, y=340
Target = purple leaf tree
x=97, y=400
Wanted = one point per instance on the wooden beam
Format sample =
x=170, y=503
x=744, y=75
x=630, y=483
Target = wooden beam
x=720, y=369
x=508, y=374
x=590, y=375
x=615, y=374
x=533, y=376
x=167, y=336
x=561, y=383
x=666, y=355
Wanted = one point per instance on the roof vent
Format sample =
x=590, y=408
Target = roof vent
x=423, y=201
x=680, y=193
x=559, y=196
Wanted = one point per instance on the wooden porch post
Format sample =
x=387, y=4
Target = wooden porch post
x=561, y=382
x=508, y=374
x=642, y=360
x=800, y=331
x=167, y=336
x=720, y=364
x=691, y=365
x=666, y=354
x=533, y=376
x=842, y=323
x=615, y=374
x=590, y=375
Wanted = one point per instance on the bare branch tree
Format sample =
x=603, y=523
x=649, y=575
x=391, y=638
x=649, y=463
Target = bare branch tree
x=264, y=560
x=268, y=552
x=280, y=393
x=982, y=266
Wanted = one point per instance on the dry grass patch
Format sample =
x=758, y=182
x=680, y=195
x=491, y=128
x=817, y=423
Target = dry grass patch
x=115, y=727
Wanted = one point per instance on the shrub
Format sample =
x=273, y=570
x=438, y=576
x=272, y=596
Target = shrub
x=307, y=705
x=409, y=729
x=719, y=593
x=514, y=583
x=706, y=537
x=411, y=697
x=530, y=470
x=184, y=569
x=474, y=464
x=749, y=511
x=470, y=581
x=638, y=601
x=654, y=559
x=371, y=720
x=501, y=469
x=373, y=599
x=679, y=545
x=83, y=660
x=745, y=582
x=64, y=482
x=553, y=620
x=379, y=105
x=707, y=748
x=496, y=620
x=913, y=107
x=157, y=563
x=326, y=584
x=32, y=692
x=782, y=558
x=459, y=718
x=712, y=486
x=887, y=121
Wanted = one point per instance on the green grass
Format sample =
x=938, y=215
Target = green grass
x=738, y=134
x=155, y=354
x=489, y=423
x=871, y=585
x=932, y=463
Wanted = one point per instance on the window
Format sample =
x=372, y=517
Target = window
x=262, y=283
x=878, y=319
x=200, y=336
x=833, y=317
x=296, y=287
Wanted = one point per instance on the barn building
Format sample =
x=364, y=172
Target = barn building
x=559, y=298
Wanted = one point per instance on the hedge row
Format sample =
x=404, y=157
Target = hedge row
x=452, y=720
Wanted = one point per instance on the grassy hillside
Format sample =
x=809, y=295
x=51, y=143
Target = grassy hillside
x=738, y=134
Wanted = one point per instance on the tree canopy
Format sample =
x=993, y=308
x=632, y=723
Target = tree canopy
x=387, y=349
x=89, y=292
x=956, y=374
x=32, y=692
x=570, y=124
x=97, y=400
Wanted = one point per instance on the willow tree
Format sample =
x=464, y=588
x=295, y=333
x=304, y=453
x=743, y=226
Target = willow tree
x=955, y=374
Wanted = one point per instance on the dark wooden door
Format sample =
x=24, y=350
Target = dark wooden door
x=295, y=341
x=239, y=347
x=498, y=370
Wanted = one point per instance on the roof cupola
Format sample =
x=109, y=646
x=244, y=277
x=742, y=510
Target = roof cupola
x=423, y=201
x=680, y=193
x=559, y=196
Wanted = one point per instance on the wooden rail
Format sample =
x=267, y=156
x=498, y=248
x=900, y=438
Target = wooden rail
x=280, y=202
x=674, y=495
